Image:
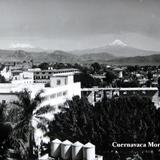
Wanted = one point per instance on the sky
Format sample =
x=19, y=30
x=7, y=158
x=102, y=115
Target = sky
x=79, y=24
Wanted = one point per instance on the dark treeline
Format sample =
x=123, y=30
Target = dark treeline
x=132, y=119
x=5, y=131
x=132, y=76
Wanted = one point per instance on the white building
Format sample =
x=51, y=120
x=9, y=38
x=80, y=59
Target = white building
x=62, y=87
x=43, y=76
x=6, y=73
x=9, y=91
x=25, y=77
x=119, y=72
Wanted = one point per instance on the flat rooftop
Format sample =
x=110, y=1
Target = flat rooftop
x=58, y=70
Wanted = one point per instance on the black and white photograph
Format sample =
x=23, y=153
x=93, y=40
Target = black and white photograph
x=79, y=79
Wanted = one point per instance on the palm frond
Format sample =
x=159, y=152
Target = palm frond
x=38, y=98
x=20, y=147
x=44, y=109
x=42, y=126
x=42, y=119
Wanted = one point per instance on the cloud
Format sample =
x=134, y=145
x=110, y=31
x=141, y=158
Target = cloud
x=20, y=45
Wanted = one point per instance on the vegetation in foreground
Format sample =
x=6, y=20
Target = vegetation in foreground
x=131, y=119
x=16, y=126
x=123, y=120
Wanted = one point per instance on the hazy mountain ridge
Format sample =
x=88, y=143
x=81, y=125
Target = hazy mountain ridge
x=107, y=54
x=96, y=57
x=62, y=57
x=55, y=56
x=19, y=55
x=117, y=51
x=138, y=60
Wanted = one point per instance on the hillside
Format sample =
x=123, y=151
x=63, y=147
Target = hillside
x=66, y=57
x=117, y=51
x=56, y=56
x=4, y=53
x=138, y=60
x=62, y=57
x=20, y=55
x=95, y=57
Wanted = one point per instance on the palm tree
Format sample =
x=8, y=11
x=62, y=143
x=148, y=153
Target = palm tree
x=5, y=131
x=28, y=111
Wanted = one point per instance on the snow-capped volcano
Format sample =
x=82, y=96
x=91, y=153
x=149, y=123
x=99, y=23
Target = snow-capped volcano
x=26, y=47
x=116, y=48
x=118, y=42
x=20, y=46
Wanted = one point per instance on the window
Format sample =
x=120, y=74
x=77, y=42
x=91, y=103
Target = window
x=3, y=101
x=59, y=94
x=65, y=81
x=58, y=82
x=64, y=93
x=45, y=98
x=53, y=96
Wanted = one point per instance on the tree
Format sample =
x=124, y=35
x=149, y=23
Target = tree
x=26, y=112
x=78, y=121
x=121, y=83
x=133, y=68
x=1, y=66
x=87, y=81
x=149, y=75
x=149, y=83
x=96, y=67
x=59, y=66
x=44, y=66
x=2, y=79
x=124, y=119
x=159, y=86
x=109, y=77
x=5, y=131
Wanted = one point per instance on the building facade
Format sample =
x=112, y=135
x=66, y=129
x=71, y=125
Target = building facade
x=61, y=88
x=43, y=76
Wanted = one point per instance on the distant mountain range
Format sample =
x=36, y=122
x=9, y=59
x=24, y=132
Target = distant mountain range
x=115, y=53
x=117, y=50
x=55, y=56
x=137, y=60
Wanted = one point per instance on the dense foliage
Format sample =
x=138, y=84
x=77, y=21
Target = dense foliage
x=2, y=79
x=87, y=81
x=109, y=77
x=5, y=131
x=124, y=120
x=21, y=114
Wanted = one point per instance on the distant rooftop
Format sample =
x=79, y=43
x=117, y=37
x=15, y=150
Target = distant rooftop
x=58, y=70
x=17, y=71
